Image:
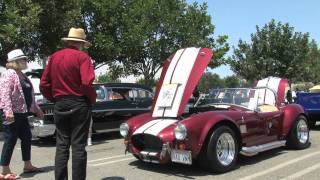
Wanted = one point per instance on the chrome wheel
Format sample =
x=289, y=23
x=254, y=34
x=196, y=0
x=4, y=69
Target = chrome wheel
x=302, y=131
x=225, y=149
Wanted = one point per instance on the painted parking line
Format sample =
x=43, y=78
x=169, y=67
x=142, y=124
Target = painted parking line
x=303, y=172
x=261, y=173
x=111, y=157
x=112, y=162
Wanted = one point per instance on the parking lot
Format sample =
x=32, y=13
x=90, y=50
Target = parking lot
x=107, y=161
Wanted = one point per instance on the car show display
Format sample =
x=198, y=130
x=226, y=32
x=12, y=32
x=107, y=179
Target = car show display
x=116, y=102
x=219, y=126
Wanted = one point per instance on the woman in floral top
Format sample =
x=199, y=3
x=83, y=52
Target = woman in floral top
x=17, y=101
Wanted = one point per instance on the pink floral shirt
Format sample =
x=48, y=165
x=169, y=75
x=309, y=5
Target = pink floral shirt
x=11, y=95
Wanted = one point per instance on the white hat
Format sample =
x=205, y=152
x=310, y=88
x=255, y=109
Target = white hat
x=15, y=55
x=76, y=34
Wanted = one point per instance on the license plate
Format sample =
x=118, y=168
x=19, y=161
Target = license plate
x=180, y=156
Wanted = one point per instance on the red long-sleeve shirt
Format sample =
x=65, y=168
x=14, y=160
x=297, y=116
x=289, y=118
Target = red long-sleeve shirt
x=69, y=72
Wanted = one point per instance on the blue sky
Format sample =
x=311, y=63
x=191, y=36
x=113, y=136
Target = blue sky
x=238, y=18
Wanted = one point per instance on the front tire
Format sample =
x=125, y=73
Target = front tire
x=221, y=152
x=298, y=137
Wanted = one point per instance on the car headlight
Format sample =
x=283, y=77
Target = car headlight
x=35, y=121
x=124, y=129
x=180, y=132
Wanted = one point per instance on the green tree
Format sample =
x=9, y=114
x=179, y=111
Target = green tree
x=210, y=81
x=19, y=21
x=135, y=36
x=275, y=50
x=104, y=25
x=152, y=84
x=107, y=78
x=231, y=81
x=313, y=64
x=55, y=20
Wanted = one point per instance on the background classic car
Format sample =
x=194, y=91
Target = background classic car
x=213, y=133
x=116, y=102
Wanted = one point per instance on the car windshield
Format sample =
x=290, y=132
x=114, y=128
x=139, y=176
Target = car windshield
x=245, y=97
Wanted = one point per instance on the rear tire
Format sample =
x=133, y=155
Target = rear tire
x=298, y=137
x=221, y=152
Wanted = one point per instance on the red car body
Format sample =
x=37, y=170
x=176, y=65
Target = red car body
x=151, y=136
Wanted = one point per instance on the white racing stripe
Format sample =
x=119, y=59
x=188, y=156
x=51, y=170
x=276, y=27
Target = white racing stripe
x=274, y=168
x=158, y=111
x=181, y=76
x=178, y=72
x=157, y=128
x=112, y=162
x=146, y=126
x=303, y=172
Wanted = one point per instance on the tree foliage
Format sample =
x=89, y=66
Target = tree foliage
x=312, y=66
x=135, y=36
x=107, y=78
x=275, y=50
x=214, y=81
x=18, y=23
x=55, y=20
x=130, y=36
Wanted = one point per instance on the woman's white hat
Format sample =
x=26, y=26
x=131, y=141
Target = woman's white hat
x=76, y=34
x=15, y=55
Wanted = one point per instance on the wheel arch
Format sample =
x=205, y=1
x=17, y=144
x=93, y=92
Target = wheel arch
x=291, y=113
x=224, y=122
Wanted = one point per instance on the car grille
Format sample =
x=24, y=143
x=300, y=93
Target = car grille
x=49, y=119
x=147, y=142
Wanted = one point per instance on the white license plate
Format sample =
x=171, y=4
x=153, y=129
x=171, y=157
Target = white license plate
x=180, y=156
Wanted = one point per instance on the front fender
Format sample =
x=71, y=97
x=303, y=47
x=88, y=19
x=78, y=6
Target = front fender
x=200, y=126
x=139, y=120
x=291, y=112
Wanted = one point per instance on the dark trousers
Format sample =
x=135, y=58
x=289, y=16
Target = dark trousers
x=19, y=129
x=72, y=117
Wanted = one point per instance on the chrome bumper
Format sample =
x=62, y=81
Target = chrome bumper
x=39, y=129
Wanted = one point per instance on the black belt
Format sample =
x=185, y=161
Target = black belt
x=69, y=97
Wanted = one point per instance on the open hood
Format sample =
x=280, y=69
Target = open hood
x=180, y=75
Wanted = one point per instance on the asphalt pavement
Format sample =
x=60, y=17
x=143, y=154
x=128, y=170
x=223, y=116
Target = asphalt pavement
x=107, y=161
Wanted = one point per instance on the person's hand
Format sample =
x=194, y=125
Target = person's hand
x=40, y=114
x=10, y=118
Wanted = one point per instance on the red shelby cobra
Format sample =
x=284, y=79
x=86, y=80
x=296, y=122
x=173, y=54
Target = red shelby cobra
x=217, y=128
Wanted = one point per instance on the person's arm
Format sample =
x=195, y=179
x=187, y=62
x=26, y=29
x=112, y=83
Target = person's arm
x=34, y=106
x=6, y=89
x=87, y=77
x=45, y=83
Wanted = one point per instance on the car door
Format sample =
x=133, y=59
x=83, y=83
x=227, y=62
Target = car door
x=263, y=124
x=255, y=131
x=267, y=124
x=143, y=100
x=115, y=108
x=272, y=124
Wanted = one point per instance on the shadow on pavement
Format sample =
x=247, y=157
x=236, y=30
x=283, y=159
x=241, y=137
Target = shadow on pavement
x=171, y=169
x=245, y=160
x=31, y=175
x=113, y=178
x=46, y=142
x=191, y=172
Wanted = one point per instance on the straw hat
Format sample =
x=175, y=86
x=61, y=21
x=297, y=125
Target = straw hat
x=76, y=34
x=15, y=55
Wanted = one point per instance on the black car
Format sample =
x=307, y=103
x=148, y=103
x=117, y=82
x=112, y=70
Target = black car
x=115, y=103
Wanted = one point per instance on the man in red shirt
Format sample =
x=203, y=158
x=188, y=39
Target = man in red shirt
x=67, y=81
